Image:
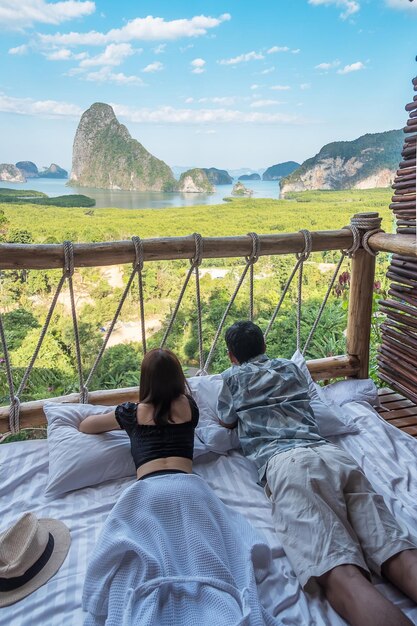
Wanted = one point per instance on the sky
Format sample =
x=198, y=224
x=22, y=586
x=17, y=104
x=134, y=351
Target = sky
x=220, y=83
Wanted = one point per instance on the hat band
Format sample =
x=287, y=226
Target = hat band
x=9, y=584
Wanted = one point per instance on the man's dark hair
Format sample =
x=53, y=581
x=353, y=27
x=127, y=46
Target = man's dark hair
x=245, y=340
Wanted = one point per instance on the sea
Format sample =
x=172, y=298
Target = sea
x=108, y=198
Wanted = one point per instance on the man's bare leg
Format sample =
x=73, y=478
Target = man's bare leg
x=352, y=596
x=401, y=570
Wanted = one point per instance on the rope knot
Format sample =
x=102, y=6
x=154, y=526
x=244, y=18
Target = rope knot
x=371, y=224
x=84, y=393
x=308, y=245
x=198, y=256
x=14, y=415
x=356, y=244
x=68, y=258
x=256, y=247
x=138, y=244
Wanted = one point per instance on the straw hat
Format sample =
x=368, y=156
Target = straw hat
x=31, y=552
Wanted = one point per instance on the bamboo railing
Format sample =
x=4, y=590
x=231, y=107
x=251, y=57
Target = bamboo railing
x=353, y=364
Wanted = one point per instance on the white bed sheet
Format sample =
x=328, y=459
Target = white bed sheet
x=388, y=456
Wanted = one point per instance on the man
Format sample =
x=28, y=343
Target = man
x=332, y=524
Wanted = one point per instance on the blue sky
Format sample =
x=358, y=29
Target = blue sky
x=225, y=83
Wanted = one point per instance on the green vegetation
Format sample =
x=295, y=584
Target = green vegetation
x=26, y=294
x=27, y=196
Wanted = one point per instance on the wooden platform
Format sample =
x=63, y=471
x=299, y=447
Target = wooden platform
x=398, y=411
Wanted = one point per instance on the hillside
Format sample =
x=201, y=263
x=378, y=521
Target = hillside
x=106, y=157
x=367, y=162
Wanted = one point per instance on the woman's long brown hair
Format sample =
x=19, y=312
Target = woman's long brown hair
x=161, y=381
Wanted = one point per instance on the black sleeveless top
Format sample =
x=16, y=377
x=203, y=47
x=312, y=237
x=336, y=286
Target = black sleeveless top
x=148, y=443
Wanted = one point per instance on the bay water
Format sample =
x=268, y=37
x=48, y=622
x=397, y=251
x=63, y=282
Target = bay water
x=108, y=198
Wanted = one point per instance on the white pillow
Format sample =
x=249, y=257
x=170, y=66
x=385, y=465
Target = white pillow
x=78, y=460
x=210, y=436
x=331, y=419
x=352, y=390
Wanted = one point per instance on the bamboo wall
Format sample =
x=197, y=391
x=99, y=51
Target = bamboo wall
x=398, y=352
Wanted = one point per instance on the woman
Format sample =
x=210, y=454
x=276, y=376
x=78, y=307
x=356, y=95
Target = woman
x=170, y=551
x=161, y=426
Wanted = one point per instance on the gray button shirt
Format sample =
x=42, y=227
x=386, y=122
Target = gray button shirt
x=269, y=400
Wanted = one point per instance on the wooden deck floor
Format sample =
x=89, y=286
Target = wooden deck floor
x=398, y=411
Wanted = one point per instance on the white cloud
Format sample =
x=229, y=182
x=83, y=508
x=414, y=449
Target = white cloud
x=198, y=66
x=63, y=54
x=20, y=50
x=24, y=14
x=278, y=49
x=254, y=87
x=349, y=7
x=105, y=75
x=256, y=104
x=156, y=66
x=159, y=49
x=305, y=86
x=224, y=100
x=268, y=70
x=296, y=51
x=113, y=55
x=42, y=108
x=169, y=115
x=243, y=58
x=354, y=67
x=209, y=131
x=327, y=66
x=144, y=29
x=401, y=5
x=280, y=87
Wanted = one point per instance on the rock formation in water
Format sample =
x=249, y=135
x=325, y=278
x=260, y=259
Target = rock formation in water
x=28, y=169
x=194, y=181
x=239, y=189
x=367, y=162
x=278, y=171
x=11, y=174
x=105, y=156
x=218, y=177
x=249, y=177
x=53, y=171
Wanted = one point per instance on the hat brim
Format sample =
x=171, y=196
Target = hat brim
x=62, y=542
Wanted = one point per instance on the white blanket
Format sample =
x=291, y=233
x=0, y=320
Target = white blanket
x=171, y=553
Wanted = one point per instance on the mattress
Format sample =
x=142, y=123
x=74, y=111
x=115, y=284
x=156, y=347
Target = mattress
x=387, y=456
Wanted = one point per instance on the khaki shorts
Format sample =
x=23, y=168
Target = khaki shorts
x=326, y=513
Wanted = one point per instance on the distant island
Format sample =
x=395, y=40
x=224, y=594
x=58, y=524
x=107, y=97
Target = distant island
x=276, y=172
x=249, y=177
x=22, y=170
x=367, y=162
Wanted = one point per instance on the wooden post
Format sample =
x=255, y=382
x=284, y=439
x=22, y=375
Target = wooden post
x=360, y=304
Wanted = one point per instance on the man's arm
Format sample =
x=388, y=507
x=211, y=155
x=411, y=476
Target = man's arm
x=226, y=412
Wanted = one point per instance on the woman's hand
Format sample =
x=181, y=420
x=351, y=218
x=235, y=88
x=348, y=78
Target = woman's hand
x=102, y=423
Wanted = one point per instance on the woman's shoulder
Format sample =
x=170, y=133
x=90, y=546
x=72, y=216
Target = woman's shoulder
x=126, y=412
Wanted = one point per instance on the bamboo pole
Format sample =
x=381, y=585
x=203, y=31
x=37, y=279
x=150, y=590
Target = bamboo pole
x=400, y=244
x=31, y=413
x=48, y=256
x=360, y=307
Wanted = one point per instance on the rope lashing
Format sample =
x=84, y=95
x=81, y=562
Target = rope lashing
x=138, y=267
x=302, y=257
x=349, y=252
x=69, y=272
x=371, y=223
x=195, y=262
x=250, y=260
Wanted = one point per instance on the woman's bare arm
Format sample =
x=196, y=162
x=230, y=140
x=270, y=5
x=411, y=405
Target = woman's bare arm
x=102, y=423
